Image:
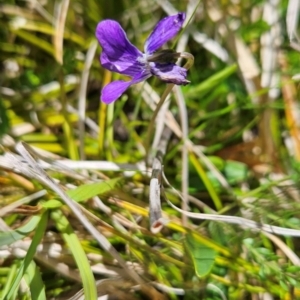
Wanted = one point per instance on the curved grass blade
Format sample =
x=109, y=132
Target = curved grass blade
x=212, y=82
x=71, y=239
x=26, y=152
x=39, y=233
x=9, y=237
x=88, y=191
x=83, y=193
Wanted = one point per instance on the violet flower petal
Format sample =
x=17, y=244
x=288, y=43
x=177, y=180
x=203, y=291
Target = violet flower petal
x=170, y=73
x=164, y=30
x=118, y=54
x=112, y=91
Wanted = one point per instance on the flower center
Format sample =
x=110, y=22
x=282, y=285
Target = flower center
x=144, y=61
x=167, y=56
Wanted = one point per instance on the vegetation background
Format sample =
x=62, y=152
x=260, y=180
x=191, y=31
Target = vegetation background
x=76, y=193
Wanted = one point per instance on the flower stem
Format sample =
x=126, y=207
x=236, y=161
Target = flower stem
x=152, y=121
x=102, y=117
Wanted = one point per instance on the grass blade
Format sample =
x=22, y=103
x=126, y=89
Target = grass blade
x=39, y=233
x=34, y=280
x=71, y=239
x=9, y=237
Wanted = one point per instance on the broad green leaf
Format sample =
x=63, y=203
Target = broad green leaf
x=217, y=161
x=9, y=237
x=71, y=239
x=221, y=232
x=203, y=257
x=254, y=30
x=39, y=233
x=88, y=191
x=235, y=171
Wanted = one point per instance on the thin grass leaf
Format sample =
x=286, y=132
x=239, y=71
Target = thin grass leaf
x=32, y=39
x=39, y=234
x=243, y=222
x=9, y=280
x=9, y=237
x=71, y=239
x=204, y=87
x=208, y=184
x=41, y=175
x=87, y=191
x=59, y=25
x=34, y=280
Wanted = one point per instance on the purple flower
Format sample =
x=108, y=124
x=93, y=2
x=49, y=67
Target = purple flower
x=119, y=55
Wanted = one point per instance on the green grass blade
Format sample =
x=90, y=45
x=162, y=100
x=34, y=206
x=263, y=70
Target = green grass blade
x=9, y=237
x=34, y=280
x=84, y=192
x=71, y=239
x=209, y=186
x=39, y=233
x=9, y=280
x=88, y=191
x=30, y=38
x=210, y=83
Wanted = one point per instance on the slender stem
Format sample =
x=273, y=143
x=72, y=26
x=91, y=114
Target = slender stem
x=184, y=151
x=67, y=126
x=109, y=134
x=152, y=121
x=102, y=117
